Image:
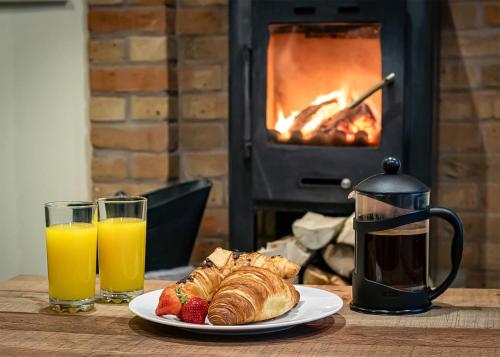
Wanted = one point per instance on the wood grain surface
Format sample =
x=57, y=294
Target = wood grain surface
x=464, y=322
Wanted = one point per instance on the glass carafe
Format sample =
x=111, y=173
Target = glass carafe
x=395, y=257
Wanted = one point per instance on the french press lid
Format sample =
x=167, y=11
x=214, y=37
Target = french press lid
x=390, y=182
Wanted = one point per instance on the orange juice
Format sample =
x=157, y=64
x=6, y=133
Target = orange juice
x=122, y=251
x=71, y=260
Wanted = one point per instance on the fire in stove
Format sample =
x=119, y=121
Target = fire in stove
x=327, y=120
x=315, y=72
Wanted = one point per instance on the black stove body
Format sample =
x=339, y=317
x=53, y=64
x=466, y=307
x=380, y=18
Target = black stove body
x=265, y=174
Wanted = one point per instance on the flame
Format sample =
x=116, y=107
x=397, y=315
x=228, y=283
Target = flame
x=316, y=124
x=283, y=124
x=325, y=111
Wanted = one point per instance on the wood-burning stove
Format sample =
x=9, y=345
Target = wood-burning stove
x=295, y=64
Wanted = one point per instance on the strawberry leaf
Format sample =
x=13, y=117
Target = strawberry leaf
x=183, y=298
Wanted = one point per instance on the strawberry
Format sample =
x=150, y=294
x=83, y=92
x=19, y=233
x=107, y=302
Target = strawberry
x=169, y=303
x=194, y=311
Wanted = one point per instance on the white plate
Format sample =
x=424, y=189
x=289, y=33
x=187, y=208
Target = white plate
x=314, y=304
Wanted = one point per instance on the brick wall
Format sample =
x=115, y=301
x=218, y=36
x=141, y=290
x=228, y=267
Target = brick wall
x=133, y=94
x=158, y=106
x=469, y=140
x=203, y=110
x=158, y=76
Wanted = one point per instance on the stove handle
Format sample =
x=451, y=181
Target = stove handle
x=457, y=246
x=247, y=112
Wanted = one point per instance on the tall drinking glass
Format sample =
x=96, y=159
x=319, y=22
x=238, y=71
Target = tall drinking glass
x=122, y=247
x=71, y=236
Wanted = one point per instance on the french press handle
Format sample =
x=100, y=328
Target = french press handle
x=457, y=246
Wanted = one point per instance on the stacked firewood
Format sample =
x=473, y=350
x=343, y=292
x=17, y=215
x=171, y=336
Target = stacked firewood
x=322, y=245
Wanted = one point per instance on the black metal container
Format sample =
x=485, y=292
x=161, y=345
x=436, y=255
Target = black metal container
x=174, y=216
x=392, y=244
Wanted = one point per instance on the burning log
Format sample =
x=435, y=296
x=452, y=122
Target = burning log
x=340, y=258
x=314, y=230
x=316, y=276
x=361, y=138
x=305, y=115
x=336, y=138
x=295, y=137
x=343, y=120
x=273, y=135
x=319, y=139
x=339, y=138
x=333, y=130
x=353, y=124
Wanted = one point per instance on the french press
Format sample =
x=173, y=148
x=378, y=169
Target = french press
x=392, y=244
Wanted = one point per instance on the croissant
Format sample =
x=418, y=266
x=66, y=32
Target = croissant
x=205, y=280
x=276, y=264
x=251, y=294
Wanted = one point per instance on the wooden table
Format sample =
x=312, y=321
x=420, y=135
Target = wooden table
x=463, y=322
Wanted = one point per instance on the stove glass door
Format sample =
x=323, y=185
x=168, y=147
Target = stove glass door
x=314, y=71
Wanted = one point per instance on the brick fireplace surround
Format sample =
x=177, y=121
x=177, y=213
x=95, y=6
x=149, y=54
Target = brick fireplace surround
x=158, y=112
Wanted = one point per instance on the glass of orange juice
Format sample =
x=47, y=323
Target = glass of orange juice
x=71, y=236
x=121, y=233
